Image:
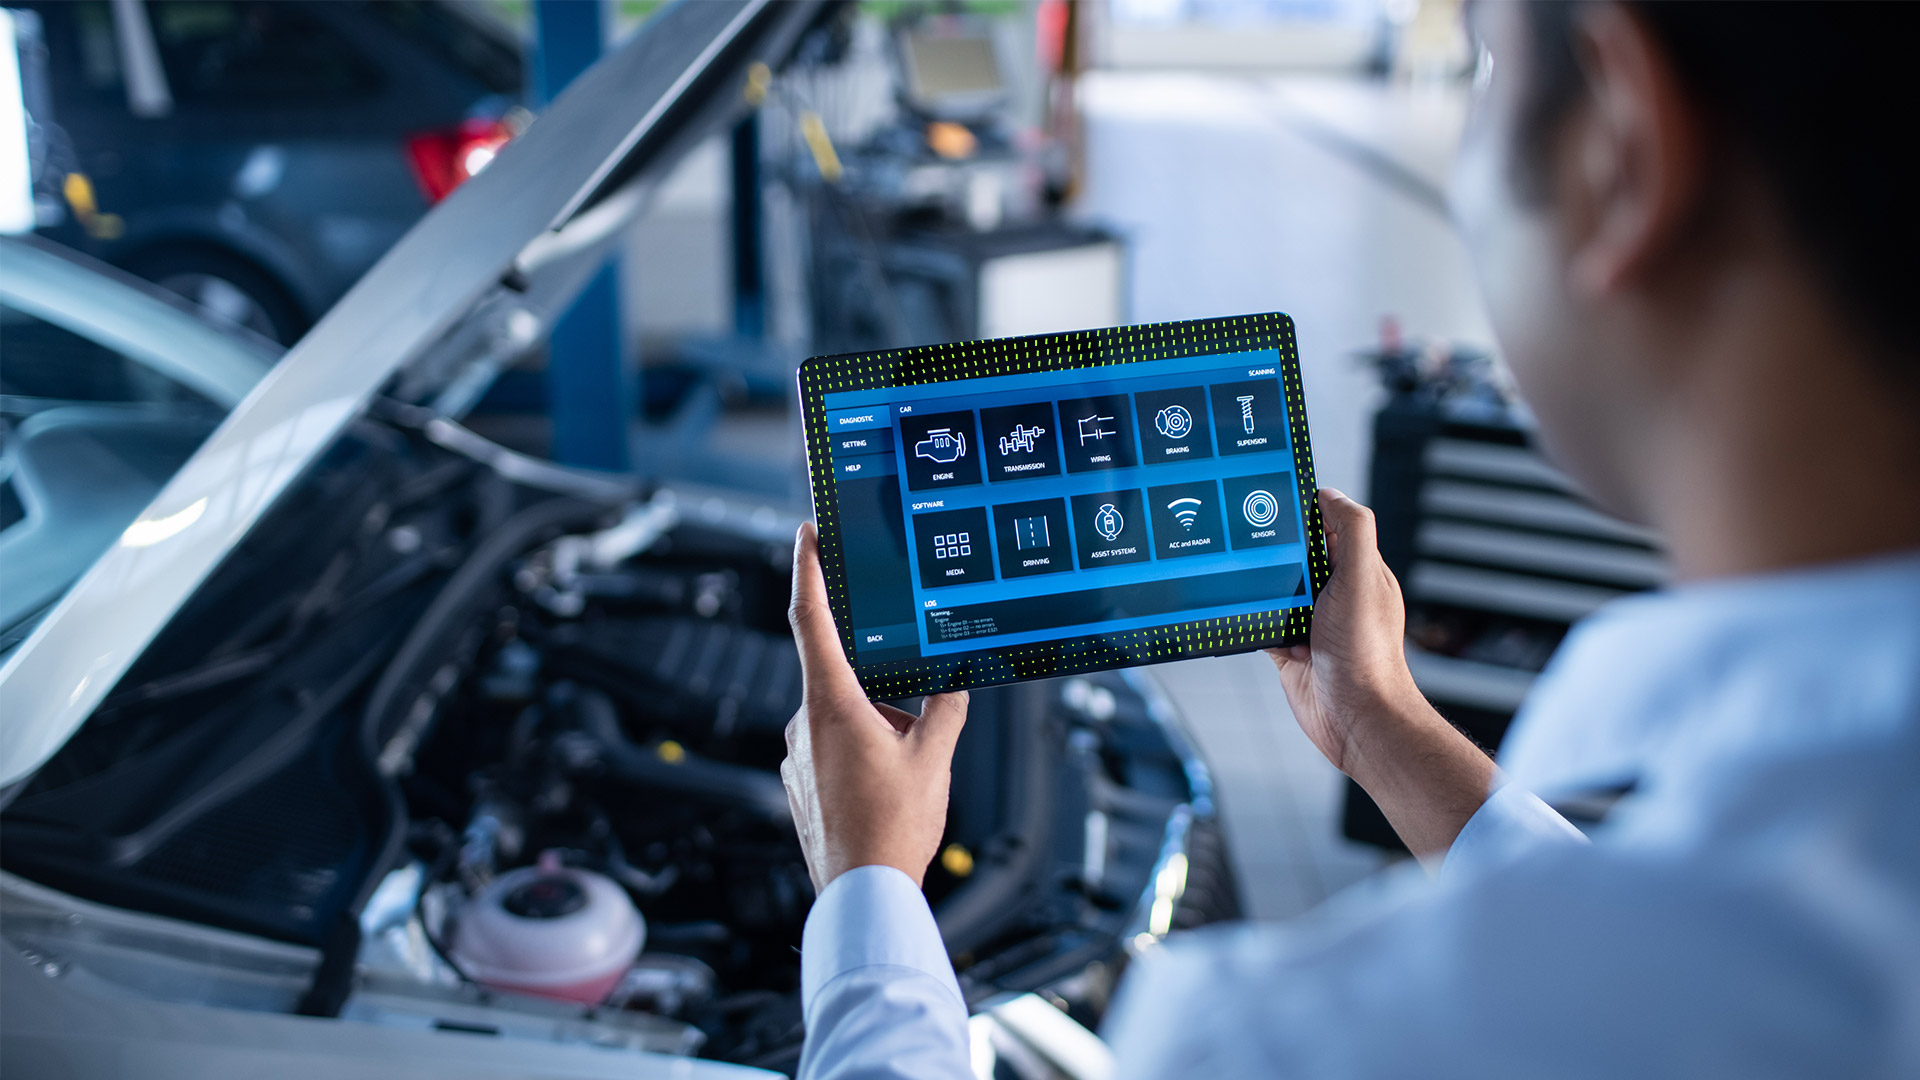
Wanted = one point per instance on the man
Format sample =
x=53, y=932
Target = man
x=1700, y=255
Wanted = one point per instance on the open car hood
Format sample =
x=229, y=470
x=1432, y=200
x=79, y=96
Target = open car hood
x=476, y=282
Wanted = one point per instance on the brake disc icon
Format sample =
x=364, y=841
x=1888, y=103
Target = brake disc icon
x=1174, y=422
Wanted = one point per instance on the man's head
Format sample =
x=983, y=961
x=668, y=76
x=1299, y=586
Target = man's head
x=1648, y=188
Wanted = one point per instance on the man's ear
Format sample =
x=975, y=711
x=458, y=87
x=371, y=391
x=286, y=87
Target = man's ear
x=1636, y=161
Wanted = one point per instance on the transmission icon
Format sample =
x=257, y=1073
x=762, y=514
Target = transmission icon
x=1021, y=440
x=1185, y=511
x=1174, y=422
x=1108, y=522
x=1261, y=508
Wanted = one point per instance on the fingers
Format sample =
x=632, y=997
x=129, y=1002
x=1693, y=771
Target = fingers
x=1349, y=525
x=822, y=660
x=796, y=806
x=941, y=718
x=901, y=720
x=1290, y=654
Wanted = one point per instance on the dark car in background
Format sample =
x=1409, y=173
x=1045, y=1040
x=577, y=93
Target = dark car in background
x=257, y=156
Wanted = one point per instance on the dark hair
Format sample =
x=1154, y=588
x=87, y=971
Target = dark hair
x=1821, y=93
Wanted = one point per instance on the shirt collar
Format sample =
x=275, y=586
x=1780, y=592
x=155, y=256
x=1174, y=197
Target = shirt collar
x=1656, y=684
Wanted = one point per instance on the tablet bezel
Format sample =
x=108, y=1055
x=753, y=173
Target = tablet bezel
x=1078, y=350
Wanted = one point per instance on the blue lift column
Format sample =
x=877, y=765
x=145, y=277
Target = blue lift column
x=749, y=265
x=590, y=395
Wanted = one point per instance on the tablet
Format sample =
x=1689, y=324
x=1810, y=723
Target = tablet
x=1024, y=508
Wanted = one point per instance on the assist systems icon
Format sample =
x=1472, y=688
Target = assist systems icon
x=1174, y=422
x=943, y=445
x=1108, y=522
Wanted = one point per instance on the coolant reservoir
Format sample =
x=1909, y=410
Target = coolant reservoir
x=551, y=931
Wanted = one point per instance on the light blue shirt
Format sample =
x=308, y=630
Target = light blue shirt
x=1751, y=910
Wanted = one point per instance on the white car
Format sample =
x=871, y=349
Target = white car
x=336, y=740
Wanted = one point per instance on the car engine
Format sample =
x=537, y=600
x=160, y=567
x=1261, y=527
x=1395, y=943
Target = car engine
x=503, y=754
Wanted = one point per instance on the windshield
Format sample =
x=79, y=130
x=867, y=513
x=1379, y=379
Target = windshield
x=464, y=37
x=95, y=416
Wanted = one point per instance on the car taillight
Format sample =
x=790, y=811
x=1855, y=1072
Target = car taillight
x=443, y=160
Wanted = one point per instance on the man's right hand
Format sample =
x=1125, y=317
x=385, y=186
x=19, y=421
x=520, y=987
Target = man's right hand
x=1354, y=697
x=867, y=782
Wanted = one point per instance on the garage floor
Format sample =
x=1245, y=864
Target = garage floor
x=1321, y=198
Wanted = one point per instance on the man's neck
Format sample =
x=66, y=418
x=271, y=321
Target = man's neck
x=1787, y=444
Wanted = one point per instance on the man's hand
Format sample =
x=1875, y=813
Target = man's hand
x=867, y=782
x=1354, y=697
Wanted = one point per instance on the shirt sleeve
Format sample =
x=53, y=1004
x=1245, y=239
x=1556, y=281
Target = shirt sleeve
x=879, y=993
x=1581, y=962
x=1510, y=823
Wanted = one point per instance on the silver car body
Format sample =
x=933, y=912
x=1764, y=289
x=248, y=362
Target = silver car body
x=475, y=283
x=478, y=278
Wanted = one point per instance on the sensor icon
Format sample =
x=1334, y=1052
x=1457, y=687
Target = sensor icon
x=1260, y=508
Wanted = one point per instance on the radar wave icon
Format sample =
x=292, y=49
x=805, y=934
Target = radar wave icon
x=1185, y=511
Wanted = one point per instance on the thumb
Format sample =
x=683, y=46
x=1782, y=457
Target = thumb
x=1349, y=526
x=941, y=718
x=823, y=662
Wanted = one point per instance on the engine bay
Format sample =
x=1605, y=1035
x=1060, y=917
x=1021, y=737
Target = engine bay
x=502, y=756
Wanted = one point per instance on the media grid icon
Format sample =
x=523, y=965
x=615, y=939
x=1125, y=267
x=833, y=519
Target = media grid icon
x=952, y=545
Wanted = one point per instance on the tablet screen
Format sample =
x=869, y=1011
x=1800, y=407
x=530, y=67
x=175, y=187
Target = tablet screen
x=1069, y=502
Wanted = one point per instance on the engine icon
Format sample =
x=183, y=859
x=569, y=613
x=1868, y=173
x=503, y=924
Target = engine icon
x=1174, y=422
x=1108, y=522
x=1021, y=440
x=1261, y=508
x=1185, y=511
x=942, y=445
